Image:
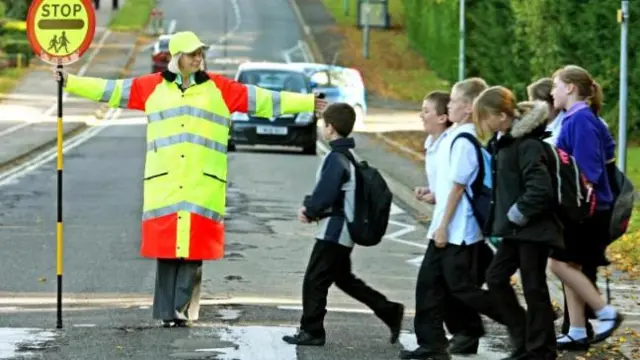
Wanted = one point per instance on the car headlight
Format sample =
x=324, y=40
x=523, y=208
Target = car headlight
x=304, y=118
x=238, y=116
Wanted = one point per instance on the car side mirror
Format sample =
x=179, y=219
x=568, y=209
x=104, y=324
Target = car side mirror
x=314, y=84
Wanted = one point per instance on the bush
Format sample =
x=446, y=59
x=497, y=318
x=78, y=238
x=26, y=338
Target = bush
x=515, y=42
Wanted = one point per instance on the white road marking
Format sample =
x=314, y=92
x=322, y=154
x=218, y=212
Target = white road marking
x=54, y=107
x=255, y=343
x=117, y=301
x=236, y=13
x=172, y=26
x=25, y=168
x=485, y=351
x=417, y=261
x=12, y=338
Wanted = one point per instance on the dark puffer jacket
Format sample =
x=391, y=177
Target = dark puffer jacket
x=523, y=196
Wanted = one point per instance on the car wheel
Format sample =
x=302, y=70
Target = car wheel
x=231, y=146
x=309, y=150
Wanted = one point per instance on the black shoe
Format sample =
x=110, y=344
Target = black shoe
x=518, y=355
x=605, y=335
x=424, y=354
x=183, y=323
x=303, y=338
x=573, y=344
x=395, y=325
x=463, y=344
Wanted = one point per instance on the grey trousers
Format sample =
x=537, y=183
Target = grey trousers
x=177, y=292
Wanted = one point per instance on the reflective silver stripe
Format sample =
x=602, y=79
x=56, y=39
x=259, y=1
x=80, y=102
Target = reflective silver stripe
x=185, y=206
x=186, y=137
x=108, y=91
x=275, y=98
x=125, y=94
x=252, y=99
x=188, y=111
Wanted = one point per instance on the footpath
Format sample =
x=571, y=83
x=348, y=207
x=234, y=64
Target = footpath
x=28, y=114
x=404, y=169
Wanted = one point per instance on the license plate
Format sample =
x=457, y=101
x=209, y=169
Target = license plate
x=271, y=130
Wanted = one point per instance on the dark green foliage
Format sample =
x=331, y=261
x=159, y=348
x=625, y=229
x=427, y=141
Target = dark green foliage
x=515, y=42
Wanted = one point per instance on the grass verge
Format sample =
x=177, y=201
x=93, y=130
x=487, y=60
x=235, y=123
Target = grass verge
x=393, y=70
x=625, y=252
x=9, y=78
x=132, y=15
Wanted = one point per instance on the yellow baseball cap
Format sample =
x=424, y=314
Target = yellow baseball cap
x=185, y=42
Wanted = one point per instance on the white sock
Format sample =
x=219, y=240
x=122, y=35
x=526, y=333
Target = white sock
x=606, y=317
x=607, y=312
x=575, y=333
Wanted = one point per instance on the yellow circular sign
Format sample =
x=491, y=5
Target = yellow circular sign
x=61, y=29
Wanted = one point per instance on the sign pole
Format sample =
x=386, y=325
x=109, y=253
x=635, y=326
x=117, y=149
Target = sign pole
x=60, y=32
x=59, y=227
x=623, y=19
x=461, y=59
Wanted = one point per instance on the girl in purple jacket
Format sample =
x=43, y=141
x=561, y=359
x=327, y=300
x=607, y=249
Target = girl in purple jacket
x=587, y=139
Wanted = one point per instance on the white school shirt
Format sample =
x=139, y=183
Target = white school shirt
x=430, y=158
x=458, y=164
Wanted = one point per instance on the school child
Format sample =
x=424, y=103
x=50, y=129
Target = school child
x=541, y=90
x=331, y=204
x=461, y=321
x=522, y=216
x=587, y=139
x=454, y=234
x=435, y=122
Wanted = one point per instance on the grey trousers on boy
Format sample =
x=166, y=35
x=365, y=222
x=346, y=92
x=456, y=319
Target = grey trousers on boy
x=177, y=292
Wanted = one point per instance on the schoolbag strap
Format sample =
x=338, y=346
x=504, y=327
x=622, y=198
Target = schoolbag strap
x=477, y=183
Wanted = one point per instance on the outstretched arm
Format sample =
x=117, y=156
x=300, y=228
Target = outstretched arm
x=260, y=102
x=129, y=93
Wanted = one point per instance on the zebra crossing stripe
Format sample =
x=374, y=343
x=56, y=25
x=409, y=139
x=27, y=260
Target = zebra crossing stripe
x=256, y=343
x=12, y=338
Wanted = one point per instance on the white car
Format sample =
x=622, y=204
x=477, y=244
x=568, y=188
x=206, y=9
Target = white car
x=297, y=130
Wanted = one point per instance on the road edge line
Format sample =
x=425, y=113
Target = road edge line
x=74, y=132
x=306, y=30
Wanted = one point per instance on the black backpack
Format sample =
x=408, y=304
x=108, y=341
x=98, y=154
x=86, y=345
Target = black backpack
x=481, y=187
x=576, y=202
x=623, y=197
x=372, y=205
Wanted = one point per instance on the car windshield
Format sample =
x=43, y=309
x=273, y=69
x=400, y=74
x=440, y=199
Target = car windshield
x=276, y=80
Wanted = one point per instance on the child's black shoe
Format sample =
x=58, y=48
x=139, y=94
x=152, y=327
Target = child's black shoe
x=303, y=338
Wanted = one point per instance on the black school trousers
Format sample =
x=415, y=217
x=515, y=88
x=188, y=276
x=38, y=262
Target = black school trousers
x=531, y=330
x=444, y=275
x=330, y=263
x=459, y=318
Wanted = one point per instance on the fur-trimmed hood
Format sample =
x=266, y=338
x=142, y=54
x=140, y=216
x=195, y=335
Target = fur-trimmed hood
x=535, y=114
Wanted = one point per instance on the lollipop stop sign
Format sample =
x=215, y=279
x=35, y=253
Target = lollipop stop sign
x=60, y=31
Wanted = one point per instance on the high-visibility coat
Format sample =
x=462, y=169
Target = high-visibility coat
x=185, y=175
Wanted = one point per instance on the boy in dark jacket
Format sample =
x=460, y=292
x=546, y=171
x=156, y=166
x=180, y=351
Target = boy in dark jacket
x=522, y=216
x=332, y=204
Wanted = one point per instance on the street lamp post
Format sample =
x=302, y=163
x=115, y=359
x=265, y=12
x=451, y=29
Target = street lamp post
x=365, y=31
x=461, y=43
x=623, y=19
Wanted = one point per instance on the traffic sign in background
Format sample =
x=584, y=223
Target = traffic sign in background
x=60, y=31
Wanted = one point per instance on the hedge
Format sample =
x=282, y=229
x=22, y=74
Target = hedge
x=515, y=42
